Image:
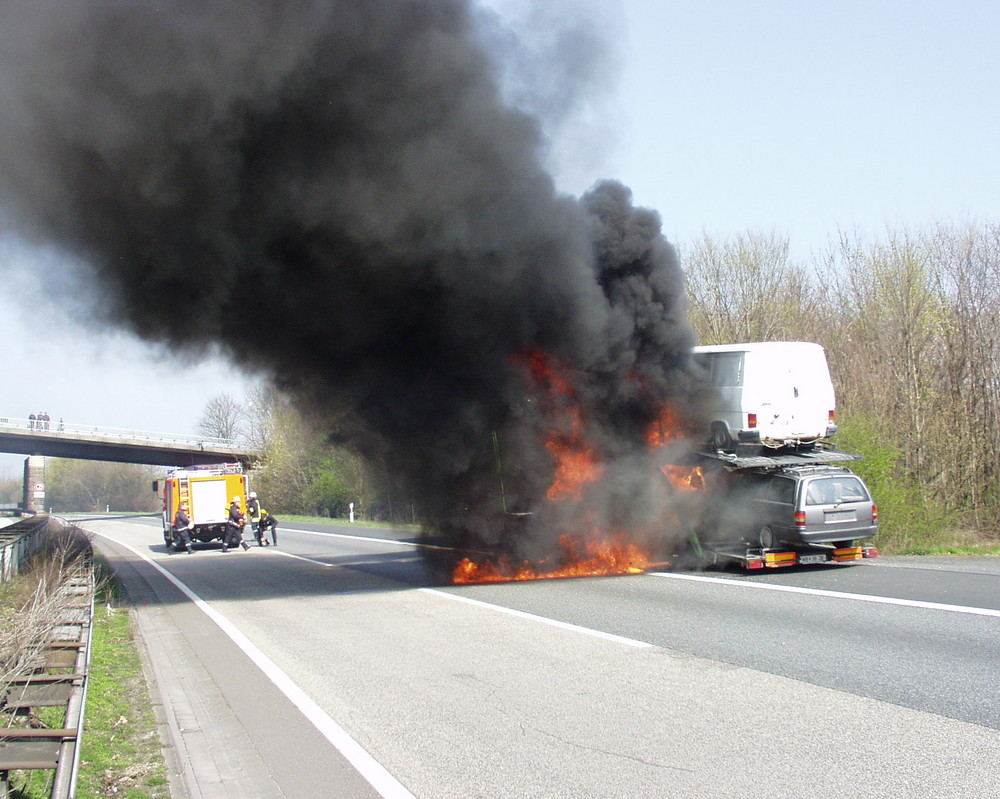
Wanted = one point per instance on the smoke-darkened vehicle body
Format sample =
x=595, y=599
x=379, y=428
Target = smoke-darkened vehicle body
x=781, y=509
x=801, y=505
x=812, y=505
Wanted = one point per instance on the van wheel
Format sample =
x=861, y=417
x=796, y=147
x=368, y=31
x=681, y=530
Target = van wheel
x=766, y=538
x=719, y=437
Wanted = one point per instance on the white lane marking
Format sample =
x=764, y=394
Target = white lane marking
x=411, y=544
x=792, y=589
x=543, y=619
x=274, y=551
x=353, y=537
x=369, y=768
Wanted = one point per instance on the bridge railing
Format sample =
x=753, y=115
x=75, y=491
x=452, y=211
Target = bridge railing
x=76, y=430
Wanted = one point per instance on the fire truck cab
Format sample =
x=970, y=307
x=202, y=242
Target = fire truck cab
x=208, y=492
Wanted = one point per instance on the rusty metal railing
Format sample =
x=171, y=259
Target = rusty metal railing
x=18, y=542
x=55, y=677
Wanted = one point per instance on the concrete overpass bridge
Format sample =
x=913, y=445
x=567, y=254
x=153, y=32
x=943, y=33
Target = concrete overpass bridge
x=39, y=440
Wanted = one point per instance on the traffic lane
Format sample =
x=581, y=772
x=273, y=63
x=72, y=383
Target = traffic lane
x=232, y=732
x=399, y=556
x=356, y=530
x=929, y=660
x=305, y=539
x=964, y=581
x=968, y=582
x=460, y=700
x=939, y=665
x=383, y=558
x=953, y=563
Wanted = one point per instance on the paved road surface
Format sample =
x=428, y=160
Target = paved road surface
x=336, y=667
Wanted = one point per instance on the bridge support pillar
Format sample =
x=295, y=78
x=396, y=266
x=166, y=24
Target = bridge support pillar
x=34, y=483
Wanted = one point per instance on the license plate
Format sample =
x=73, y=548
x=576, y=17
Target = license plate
x=812, y=558
x=840, y=516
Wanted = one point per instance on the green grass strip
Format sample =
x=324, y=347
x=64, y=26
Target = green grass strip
x=121, y=754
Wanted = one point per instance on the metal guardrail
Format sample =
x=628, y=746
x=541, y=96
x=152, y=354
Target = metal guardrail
x=76, y=430
x=57, y=678
x=18, y=542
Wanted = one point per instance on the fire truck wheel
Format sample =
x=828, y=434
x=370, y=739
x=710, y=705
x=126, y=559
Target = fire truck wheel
x=766, y=538
x=167, y=538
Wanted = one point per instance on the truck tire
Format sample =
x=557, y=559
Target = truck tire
x=719, y=437
x=766, y=538
x=168, y=539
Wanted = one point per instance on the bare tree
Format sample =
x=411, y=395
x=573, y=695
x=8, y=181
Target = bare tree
x=223, y=417
x=746, y=288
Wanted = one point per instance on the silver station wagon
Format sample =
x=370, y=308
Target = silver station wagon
x=808, y=505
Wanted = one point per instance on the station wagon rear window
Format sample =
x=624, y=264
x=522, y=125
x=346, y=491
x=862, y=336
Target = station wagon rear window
x=833, y=490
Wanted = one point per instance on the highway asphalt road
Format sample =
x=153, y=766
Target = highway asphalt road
x=335, y=666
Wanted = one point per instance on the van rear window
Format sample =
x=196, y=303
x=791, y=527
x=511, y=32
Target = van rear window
x=832, y=490
x=727, y=368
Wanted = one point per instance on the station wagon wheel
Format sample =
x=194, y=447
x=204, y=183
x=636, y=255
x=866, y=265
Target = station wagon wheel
x=766, y=538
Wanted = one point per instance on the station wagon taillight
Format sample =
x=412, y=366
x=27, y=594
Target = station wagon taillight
x=800, y=518
x=751, y=421
x=874, y=513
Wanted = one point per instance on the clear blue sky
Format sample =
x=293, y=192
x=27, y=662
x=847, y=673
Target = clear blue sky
x=805, y=118
x=808, y=117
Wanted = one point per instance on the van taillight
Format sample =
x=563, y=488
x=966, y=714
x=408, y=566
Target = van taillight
x=751, y=421
x=830, y=417
x=874, y=513
x=800, y=518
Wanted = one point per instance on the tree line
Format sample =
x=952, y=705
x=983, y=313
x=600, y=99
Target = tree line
x=911, y=325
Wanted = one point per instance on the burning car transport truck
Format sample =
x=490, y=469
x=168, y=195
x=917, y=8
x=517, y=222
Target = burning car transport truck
x=208, y=492
x=784, y=509
x=779, y=494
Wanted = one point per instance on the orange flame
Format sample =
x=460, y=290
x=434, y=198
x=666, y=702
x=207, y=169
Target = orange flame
x=597, y=558
x=577, y=465
x=685, y=478
x=663, y=430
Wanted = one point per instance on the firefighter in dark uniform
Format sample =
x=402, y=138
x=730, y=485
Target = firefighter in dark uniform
x=234, y=527
x=182, y=524
x=267, y=524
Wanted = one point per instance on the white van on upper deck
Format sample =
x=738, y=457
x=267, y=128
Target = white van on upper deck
x=774, y=393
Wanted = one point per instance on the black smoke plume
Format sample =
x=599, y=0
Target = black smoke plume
x=348, y=172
